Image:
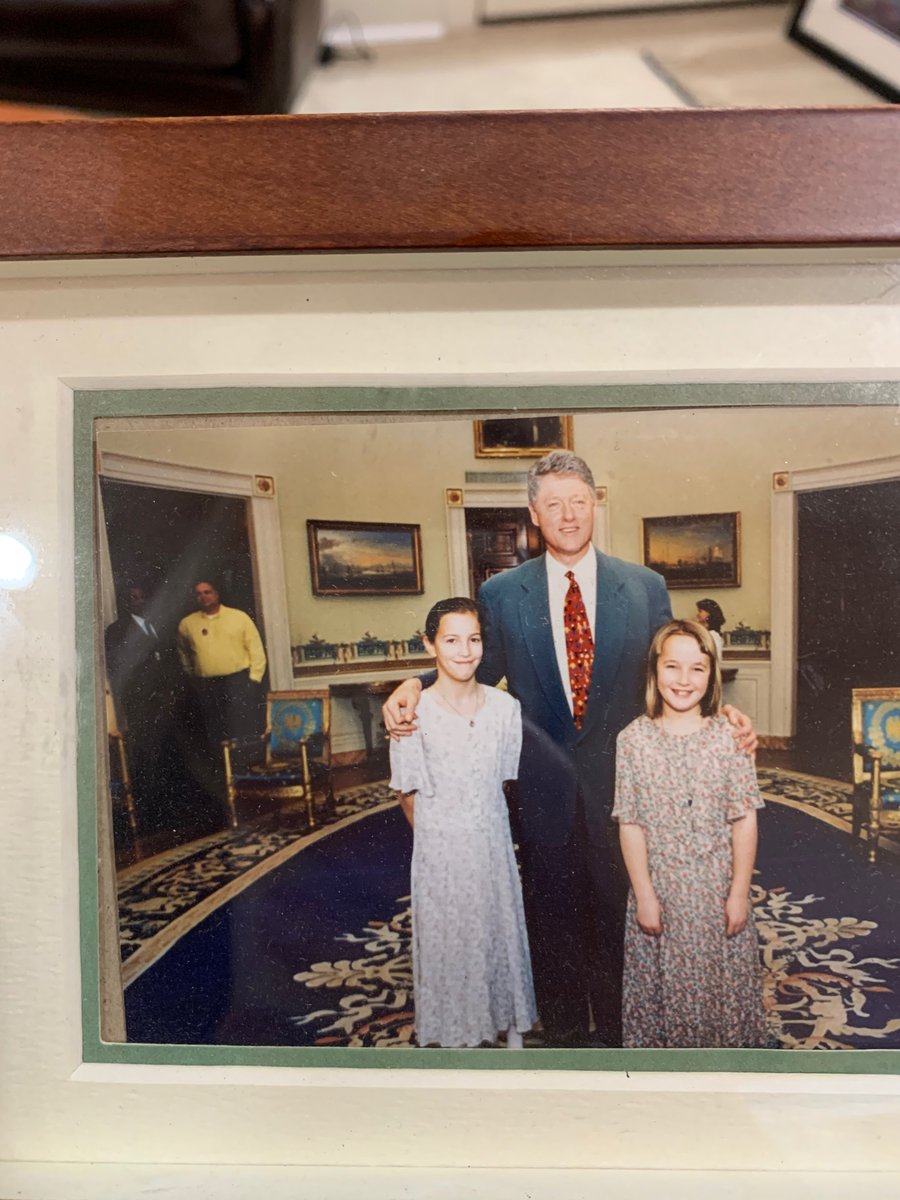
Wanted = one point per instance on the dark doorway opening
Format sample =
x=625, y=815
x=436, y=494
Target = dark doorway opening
x=848, y=631
x=497, y=539
x=164, y=541
x=173, y=538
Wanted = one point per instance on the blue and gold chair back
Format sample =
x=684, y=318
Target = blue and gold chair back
x=290, y=761
x=295, y=719
x=875, y=721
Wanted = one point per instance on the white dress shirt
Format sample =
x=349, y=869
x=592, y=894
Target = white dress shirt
x=585, y=572
x=144, y=625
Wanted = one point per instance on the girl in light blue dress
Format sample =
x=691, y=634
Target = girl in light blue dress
x=471, y=963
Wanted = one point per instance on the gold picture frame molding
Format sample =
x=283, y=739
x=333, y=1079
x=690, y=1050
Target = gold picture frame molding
x=538, y=447
x=678, y=576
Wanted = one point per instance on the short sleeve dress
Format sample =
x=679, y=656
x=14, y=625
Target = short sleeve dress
x=692, y=985
x=471, y=962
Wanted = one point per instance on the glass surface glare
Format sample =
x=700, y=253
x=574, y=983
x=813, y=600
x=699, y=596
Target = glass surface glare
x=17, y=562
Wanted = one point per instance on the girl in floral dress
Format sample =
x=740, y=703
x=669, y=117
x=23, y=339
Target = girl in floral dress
x=686, y=801
x=471, y=962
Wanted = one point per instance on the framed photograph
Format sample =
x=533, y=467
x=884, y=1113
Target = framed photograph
x=364, y=558
x=198, y=341
x=696, y=551
x=185, y=854
x=522, y=437
x=861, y=37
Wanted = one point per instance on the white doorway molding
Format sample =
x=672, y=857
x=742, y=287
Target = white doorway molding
x=265, y=539
x=458, y=499
x=786, y=486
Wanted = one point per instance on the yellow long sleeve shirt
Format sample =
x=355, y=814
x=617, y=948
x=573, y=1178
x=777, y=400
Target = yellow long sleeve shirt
x=220, y=644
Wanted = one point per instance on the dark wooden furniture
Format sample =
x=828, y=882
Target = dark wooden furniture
x=366, y=699
x=158, y=57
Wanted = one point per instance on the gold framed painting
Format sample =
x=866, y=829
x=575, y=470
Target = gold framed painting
x=522, y=437
x=365, y=558
x=695, y=550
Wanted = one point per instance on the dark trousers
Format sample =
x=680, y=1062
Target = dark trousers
x=230, y=707
x=575, y=897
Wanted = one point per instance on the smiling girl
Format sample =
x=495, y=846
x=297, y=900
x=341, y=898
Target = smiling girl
x=471, y=963
x=686, y=801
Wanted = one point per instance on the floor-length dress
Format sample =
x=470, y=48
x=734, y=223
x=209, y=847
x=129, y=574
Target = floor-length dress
x=471, y=964
x=691, y=985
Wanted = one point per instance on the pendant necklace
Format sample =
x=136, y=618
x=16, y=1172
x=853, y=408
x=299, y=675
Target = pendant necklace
x=464, y=716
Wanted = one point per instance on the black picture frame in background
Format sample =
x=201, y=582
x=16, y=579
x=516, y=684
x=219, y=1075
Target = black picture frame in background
x=860, y=37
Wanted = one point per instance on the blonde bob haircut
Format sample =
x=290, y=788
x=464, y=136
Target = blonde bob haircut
x=709, y=705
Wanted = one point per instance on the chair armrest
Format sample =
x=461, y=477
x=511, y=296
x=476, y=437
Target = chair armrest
x=865, y=751
x=241, y=743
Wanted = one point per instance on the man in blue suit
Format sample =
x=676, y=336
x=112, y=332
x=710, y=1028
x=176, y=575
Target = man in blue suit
x=574, y=881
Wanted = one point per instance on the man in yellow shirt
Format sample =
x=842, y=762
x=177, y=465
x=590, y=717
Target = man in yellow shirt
x=221, y=650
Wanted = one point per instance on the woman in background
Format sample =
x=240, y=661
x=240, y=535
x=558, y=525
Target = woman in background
x=711, y=617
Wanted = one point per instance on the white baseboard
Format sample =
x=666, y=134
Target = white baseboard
x=349, y=33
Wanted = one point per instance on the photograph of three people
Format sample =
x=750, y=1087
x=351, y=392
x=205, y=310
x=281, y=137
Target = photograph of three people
x=602, y=770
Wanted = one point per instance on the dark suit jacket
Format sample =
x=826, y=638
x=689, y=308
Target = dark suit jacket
x=142, y=673
x=557, y=759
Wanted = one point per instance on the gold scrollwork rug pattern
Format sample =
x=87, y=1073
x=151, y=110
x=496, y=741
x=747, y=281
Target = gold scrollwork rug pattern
x=829, y=957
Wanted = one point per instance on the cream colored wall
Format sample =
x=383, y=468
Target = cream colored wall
x=655, y=464
x=384, y=471
x=721, y=460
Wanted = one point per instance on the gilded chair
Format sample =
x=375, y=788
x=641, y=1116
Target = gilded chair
x=290, y=761
x=875, y=719
x=120, y=792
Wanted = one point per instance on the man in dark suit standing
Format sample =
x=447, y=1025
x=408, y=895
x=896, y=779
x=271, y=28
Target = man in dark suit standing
x=144, y=680
x=570, y=633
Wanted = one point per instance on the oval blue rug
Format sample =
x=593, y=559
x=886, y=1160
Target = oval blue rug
x=317, y=951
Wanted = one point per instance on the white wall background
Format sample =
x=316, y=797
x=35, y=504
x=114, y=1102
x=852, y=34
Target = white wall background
x=453, y=14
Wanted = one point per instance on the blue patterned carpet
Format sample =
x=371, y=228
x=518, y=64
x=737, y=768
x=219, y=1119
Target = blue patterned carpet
x=315, y=951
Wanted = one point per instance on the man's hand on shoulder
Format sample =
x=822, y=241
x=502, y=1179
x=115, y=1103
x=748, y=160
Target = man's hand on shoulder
x=399, y=710
x=742, y=728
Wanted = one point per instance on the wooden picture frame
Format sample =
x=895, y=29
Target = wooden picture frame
x=522, y=437
x=860, y=37
x=770, y=196
x=521, y=180
x=694, y=551
x=365, y=558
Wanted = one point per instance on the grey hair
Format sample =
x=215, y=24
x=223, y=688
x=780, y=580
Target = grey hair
x=558, y=462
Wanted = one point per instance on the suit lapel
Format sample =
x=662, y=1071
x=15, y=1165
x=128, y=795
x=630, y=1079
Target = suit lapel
x=537, y=634
x=609, y=636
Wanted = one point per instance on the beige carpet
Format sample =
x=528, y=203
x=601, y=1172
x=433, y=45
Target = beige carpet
x=757, y=67
x=722, y=57
x=436, y=78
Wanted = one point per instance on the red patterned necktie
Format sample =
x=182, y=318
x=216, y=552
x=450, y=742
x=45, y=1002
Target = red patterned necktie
x=579, y=648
